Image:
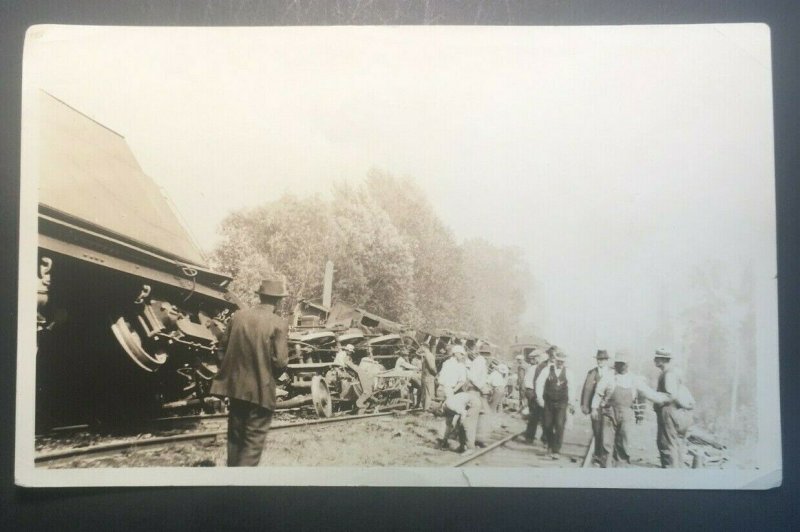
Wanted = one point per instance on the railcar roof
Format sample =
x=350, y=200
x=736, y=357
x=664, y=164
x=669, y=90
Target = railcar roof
x=87, y=171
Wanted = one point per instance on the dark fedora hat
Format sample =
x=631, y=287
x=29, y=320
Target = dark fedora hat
x=601, y=354
x=272, y=287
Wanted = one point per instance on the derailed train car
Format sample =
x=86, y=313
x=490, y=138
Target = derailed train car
x=129, y=314
x=344, y=356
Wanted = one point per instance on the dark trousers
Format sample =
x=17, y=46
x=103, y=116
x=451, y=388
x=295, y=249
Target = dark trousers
x=616, y=423
x=555, y=416
x=248, y=424
x=535, y=417
x=597, y=430
x=672, y=425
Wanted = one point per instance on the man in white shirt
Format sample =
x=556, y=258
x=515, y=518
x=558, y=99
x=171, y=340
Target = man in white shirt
x=614, y=397
x=453, y=375
x=497, y=381
x=555, y=392
x=456, y=409
x=535, y=412
x=478, y=427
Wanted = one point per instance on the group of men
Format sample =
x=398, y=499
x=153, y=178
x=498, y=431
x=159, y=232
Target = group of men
x=548, y=388
x=612, y=397
x=256, y=353
x=471, y=388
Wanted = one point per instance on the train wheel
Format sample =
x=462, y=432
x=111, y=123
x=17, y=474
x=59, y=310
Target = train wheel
x=131, y=343
x=321, y=397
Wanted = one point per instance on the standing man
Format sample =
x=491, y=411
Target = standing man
x=614, y=397
x=536, y=412
x=428, y=376
x=256, y=352
x=497, y=380
x=453, y=375
x=587, y=395
x=522, y=367
x=555, y=393
x=415, y=381
x=673, y=417
x=477, y=426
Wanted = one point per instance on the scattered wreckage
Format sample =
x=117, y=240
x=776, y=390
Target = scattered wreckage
x=346, y=358
x=130, y=316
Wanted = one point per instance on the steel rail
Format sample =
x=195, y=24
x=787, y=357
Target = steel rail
x=168, y=419
x=135, y=444
x=486, y=449
x=585, y=463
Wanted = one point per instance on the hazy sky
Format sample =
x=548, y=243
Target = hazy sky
x=615, y=157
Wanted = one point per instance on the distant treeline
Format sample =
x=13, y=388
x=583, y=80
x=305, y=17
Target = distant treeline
x=392, y=255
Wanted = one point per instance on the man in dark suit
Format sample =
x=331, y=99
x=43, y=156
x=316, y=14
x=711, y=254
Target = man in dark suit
x=589, y=387
x=256, y=352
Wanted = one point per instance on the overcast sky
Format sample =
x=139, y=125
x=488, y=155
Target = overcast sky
x=617, y=158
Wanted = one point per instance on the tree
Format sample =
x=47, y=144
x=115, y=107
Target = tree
x=496, y=281
x=374, y=265
x=392, y=256
x=719, y=335
x=289, y=238
x=438, y=271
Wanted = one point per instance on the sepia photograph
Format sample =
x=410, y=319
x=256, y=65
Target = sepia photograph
x=398, y=256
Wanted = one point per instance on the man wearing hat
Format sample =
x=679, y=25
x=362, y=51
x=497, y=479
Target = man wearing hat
x=673, y=415
x=587, y=394
x=453, y=375
x=478, y=427
x=256, y=352
x=614, y=397
x=555, y=393
x=536, y=412
x=497, y=381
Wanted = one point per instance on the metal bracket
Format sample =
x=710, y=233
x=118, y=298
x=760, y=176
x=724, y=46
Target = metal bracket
x=143, y=294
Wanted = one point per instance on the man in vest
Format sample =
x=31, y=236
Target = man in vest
x=256, y=352
x=673, y=418
x=614, y=397
x=587, y=394
x=555, y=393
x=536, y=412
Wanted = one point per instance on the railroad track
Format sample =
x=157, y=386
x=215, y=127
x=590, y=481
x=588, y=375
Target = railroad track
x=129, y=445
x=527, y=456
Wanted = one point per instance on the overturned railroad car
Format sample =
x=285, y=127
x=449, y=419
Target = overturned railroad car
x=129, y=313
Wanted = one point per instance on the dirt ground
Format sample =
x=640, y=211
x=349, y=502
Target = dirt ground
x=403, y=439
